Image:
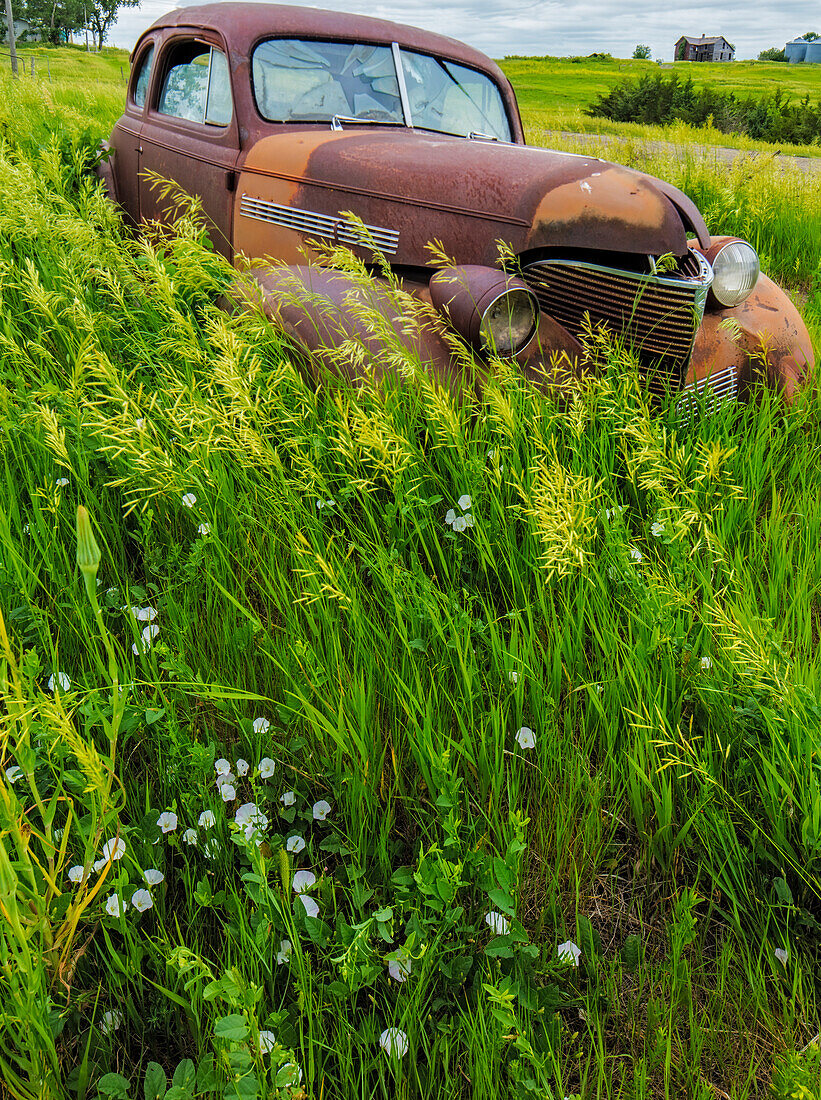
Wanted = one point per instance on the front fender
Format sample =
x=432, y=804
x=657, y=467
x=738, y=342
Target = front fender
x=763, y=338
x=358, y=328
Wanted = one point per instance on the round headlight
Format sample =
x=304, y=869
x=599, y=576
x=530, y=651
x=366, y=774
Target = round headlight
x=509, y=322
x=735, y=272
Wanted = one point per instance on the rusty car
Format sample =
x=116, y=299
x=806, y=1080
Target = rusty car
x=301, y=129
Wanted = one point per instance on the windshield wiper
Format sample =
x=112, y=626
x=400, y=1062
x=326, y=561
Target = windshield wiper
x=337, y=120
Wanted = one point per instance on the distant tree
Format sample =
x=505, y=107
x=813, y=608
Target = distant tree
x=54, y=19
x=773, y=54
x=811, y=36
x=102, y=13
x=642, y=53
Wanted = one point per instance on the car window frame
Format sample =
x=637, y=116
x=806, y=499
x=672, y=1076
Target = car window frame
x=171, y=48
x=404, y=124
x=150, y=46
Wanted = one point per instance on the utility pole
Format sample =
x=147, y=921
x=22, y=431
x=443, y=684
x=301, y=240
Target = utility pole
x=12, y=46
x=85, y=24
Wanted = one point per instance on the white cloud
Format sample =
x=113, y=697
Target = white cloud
x=576, y=27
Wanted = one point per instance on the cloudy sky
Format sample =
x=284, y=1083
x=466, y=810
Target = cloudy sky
x=562, y=27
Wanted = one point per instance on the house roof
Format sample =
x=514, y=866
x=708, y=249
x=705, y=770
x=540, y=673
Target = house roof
x=703, y=41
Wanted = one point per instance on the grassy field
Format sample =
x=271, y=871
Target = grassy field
x=553, y=93
x=306, y=792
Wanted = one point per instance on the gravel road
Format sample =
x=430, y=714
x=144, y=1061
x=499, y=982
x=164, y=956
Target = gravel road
x=721, y=154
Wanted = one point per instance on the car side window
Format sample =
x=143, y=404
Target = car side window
x=144, y=72
x=197, y=86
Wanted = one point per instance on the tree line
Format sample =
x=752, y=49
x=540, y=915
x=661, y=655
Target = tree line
x=56, y=21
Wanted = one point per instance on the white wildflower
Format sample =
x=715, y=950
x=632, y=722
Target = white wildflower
x=513, y=676
x=459, y=524
x=400, y=967
x=569, y=952
x=153, y=877
x=464, y=502
x=497, y=923
x=149, y=633
x=706, y=663
x=284, y=953
x=251, y=819
x=295, y=844
x=228, y=792
x=261, y=725
x=267, y=1042
x=167, y=821
x=142, y=900
x=635, y=554
x=61, y=680
x=450, y=516
x=189, y=500
x=190, y=837
x=781, y=955
x=112, y=1020
x=526, y=737
x=288, y=798
x=145, y=614
x=204, y=529
x=311, y=907
x=61, y=482
x=14, y=773
x=222, y=766
x=207, y=819
x=211, y=848
x=113, y=849
x=77, y=874
x=139, y=423
x=468, y=520
x=226, y=777
x=321, y=810
x=266, y=767
x=242, y=767
x=302, y=880
x=115, y=906
x=394, y=1041
x=657, y=530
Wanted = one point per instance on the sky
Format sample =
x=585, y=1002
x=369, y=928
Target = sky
x=563, y=27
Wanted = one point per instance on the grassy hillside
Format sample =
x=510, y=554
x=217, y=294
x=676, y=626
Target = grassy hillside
x=307, y=791
x=553, y=94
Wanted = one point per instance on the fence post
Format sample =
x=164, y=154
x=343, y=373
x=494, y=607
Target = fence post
x=10, y=30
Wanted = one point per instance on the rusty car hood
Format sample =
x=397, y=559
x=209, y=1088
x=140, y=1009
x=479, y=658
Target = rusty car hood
x=469, y=193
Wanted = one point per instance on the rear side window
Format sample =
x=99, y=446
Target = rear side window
x=143, y=74
x=197, y=86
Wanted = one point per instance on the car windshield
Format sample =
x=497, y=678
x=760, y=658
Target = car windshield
x=312, y=81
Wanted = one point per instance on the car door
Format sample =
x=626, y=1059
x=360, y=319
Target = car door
x=190, y=136
x=125, y=140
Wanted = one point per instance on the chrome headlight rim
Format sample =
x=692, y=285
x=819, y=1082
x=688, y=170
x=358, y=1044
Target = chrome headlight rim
x=722, y=292
x=491, y=340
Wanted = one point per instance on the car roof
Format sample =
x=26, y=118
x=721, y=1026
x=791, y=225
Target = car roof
x=243, y=25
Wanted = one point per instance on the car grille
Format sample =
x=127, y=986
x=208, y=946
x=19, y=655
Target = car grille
x=656, y=314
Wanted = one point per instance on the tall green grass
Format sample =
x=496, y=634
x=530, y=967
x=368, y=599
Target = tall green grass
x=638, y=587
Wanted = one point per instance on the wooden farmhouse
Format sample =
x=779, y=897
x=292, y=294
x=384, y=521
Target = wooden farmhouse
x=704, y=49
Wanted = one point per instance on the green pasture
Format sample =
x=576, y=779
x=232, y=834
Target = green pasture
x=553, y=93
x=382, y=742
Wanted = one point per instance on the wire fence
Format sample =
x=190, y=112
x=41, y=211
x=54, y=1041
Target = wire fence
x=32, y=66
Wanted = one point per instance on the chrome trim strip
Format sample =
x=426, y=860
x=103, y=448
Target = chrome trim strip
x=718, y=387
x=312, y=223
x=403, y=88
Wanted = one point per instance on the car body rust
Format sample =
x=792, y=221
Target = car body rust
x=593, y=239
